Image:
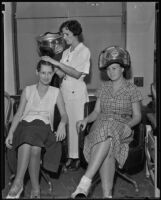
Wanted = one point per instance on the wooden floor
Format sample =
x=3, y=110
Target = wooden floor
x=65, y=184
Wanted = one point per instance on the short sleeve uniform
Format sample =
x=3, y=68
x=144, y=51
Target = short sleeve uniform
x=79, y=59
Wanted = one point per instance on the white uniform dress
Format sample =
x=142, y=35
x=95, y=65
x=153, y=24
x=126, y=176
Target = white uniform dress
x=75, y=92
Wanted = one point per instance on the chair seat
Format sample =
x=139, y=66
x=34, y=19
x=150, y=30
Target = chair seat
x=133, y=144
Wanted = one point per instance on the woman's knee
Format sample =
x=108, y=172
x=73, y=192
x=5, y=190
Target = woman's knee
x=102, y=146
x=35, y=151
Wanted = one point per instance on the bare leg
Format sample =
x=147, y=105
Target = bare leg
x=22, y=164
x=98, y=154
x=107, y=172
x=34, y=167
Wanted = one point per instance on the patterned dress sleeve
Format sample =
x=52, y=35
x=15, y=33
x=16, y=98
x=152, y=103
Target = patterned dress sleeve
x=135, y=94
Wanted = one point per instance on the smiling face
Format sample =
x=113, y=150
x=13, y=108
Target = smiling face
x=45, y=74
x=115, y=71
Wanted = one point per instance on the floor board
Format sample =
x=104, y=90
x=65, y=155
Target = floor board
x=66, y=183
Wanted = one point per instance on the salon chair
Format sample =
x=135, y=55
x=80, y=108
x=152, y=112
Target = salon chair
x=136, y=157
x=11, y=155
x=7, y=114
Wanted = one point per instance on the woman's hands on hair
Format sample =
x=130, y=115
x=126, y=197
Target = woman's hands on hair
x=51, y=60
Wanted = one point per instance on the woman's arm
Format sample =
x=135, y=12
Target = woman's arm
x=16, y=120
x=136, y=116
x=60, y=73
x=61, y=131
x=64, y=68
x=19, y=113
x=93, y=115
x=69, y=70
x=90, y=118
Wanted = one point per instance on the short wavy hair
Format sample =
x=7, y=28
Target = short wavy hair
x=72, y=25
x=43, y=62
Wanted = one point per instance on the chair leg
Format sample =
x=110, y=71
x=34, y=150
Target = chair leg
x=46, y=178
x=129, y=179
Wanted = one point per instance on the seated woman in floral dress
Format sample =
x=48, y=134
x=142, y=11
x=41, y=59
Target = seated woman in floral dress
x=116, y=111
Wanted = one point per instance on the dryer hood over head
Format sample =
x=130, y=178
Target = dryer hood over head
x=50, y=44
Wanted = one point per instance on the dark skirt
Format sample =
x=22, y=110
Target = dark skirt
x=34, y=133
x=37, y=133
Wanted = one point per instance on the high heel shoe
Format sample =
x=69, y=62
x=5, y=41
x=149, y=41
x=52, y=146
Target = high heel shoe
x=79, y=194
x=15, y=192
x=35, y=194
x=74, y=165
x=108, y=197
x=82, y=189
x=67, y=165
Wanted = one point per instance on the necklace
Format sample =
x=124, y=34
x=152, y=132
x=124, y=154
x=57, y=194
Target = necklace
x=67, y=57
x=71, y=49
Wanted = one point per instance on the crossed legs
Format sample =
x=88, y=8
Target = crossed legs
x=98, y=161
x=107, y=172
x=98, y=155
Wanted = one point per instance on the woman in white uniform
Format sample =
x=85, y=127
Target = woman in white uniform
x=73, y=67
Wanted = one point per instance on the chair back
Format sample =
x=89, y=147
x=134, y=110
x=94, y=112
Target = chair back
x=7, y=111
x=57, y=118
x=89, y=107
x=136, y=157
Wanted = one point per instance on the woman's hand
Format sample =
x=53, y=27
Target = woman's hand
x=9, y=140
x=49, y=59
x=81, y=125
x=129, y=138
x=61, y=132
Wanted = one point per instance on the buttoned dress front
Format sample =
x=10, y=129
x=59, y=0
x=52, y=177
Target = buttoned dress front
x=75, y=92
x=116, y=112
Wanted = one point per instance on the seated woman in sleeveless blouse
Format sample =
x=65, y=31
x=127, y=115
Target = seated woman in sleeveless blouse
x=32, y=130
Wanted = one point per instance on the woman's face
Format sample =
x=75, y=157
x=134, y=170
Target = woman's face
x=115, y=71
x=68, y=36
x=45, y=74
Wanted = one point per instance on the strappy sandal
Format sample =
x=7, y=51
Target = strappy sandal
x=109, y=196
x=35, y=194
x=15, y=191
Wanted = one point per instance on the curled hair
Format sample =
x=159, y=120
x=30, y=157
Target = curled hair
x=72, y=25
x=43, y=62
